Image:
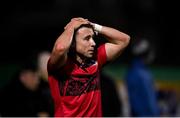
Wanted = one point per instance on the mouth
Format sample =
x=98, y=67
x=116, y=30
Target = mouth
x=91, y=51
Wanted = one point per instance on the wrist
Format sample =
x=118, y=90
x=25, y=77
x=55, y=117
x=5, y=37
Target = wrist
x=98, y=28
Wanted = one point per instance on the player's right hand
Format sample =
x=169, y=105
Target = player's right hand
x=76, y=22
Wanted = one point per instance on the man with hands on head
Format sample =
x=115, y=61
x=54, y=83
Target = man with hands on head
x=75, y=63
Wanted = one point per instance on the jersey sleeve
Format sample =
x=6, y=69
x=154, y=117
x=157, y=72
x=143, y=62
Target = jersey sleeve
x=60, y=70
x=101, y=55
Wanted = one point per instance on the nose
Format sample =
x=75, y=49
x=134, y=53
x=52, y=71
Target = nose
x=92, y=42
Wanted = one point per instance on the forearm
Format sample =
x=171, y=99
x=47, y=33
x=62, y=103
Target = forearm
x=117, y=40
x=61, y=47
x=63, y=43
x=114, y=36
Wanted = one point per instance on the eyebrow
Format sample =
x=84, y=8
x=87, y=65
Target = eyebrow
x=89, y=36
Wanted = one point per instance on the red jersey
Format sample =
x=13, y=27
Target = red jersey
x=76, y=90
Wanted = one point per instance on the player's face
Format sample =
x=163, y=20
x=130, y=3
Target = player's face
x=85, y=44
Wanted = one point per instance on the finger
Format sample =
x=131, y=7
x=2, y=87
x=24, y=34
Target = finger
x=68, y=25
x=80, y=19
x=91, y=23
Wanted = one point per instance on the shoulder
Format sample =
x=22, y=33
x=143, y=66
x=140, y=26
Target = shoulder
x=68, y=66
x=101, y=55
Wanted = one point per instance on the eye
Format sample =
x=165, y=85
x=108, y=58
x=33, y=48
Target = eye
x=87, y=38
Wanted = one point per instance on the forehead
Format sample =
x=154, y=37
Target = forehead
x=85, y=31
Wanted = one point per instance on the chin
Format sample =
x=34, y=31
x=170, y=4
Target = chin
x=89, y=56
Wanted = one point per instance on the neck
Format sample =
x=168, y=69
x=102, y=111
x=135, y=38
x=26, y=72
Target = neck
x=84, y=62
x=80, y=59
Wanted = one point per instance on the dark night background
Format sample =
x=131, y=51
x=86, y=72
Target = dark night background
x=30, y=26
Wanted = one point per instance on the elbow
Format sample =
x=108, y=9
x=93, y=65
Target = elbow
x=59, y=48
x=127, y=40
x=56, y=57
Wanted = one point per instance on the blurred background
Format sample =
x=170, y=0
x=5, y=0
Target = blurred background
x=29, y=28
